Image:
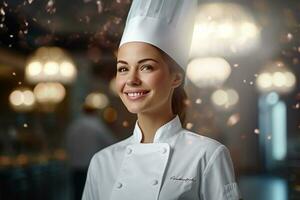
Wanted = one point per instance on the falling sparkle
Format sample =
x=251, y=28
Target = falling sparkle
x=244, y=81
x=30, y=1
x=99, y=6
x=187, y=102
x=251, y=83
x=233, y=119
x=236, y=65
x=50, y=3
x=25, y=125
x=189, y=125
x=20, y=83
x=297, y=106
x=256, y=131
x=50, y=7
x=289, y=36
x=14, y=73
x=125, y=123
x=5, y=4
x=269, y=137
x=255, y=75
x=2, y=12
x=11, y=36
x=198, y=101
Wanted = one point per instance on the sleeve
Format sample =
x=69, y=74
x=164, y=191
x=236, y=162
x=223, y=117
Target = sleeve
x=218, y=180
x=90, y=189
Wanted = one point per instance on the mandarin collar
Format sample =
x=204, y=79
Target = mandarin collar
x=162, y=134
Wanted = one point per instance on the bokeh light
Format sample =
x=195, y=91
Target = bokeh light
x=50, y=64
x=208, y=72
x=224, y=98
x=49, y=93
x=224, y=29
x=22, y=100
x=97, y=100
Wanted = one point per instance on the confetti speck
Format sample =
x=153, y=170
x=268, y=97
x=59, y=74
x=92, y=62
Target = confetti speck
x=256, y=131
x=297, y=106
x=2, y=12
x=198, y=101
x=289, y=36
x=125, y=123
x=99, y=6
x=233, y=119
x=189, y=125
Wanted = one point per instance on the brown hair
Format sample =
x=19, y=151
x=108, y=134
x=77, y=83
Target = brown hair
x=179, y=97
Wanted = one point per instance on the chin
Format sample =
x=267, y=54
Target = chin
x=133, y=110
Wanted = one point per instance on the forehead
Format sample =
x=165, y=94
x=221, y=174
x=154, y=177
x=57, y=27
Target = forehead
x=138, y=50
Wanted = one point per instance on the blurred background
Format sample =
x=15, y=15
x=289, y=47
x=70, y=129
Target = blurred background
x=58, y=104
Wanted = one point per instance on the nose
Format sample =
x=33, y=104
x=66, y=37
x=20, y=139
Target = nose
x=133, y=79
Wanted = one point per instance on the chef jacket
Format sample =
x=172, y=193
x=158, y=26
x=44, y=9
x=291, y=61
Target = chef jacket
x=178, y=165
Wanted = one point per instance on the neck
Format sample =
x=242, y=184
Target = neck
x=150, y=123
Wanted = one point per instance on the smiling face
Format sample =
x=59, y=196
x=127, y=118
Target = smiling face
x=144, y=81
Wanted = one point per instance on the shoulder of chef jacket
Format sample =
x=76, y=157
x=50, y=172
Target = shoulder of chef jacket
x=179, y=164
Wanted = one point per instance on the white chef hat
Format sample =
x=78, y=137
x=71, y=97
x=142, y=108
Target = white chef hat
x=166, y=24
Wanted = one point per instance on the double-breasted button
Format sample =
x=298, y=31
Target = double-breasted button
x=154, y=182
x=119, y=185
x=129, y=151
x=164, y=150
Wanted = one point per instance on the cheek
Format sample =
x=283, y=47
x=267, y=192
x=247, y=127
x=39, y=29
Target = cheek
x=161, y=80
x=119, y=84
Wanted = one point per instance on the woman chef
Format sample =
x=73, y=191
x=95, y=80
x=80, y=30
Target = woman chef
x=161, y=160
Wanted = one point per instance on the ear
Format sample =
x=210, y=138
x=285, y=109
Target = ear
x=178, y=78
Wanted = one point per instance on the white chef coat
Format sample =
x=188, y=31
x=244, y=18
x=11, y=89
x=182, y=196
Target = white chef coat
x=178, y=165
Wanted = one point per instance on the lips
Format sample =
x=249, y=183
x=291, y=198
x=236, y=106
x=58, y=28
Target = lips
x=133, y=95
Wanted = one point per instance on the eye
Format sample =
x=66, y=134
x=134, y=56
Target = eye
x=122, y=69
x=146, y=67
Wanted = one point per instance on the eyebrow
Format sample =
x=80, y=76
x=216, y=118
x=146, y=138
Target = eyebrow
x=139, y=62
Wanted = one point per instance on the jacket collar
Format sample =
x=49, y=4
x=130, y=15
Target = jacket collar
x=162, y=134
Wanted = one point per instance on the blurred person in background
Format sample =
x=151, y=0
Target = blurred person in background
x=85, y=136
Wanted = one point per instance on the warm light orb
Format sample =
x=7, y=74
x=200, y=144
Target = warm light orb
x=49, y=93
x=34, y=68
x=50, y=64
x=208, y=72
x=67, y=69
x=225, y=98
x=224, y=29
x=276, y=78
x=97, y=100
x=22, y=100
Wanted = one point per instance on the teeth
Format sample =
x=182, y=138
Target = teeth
x=134, y=94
